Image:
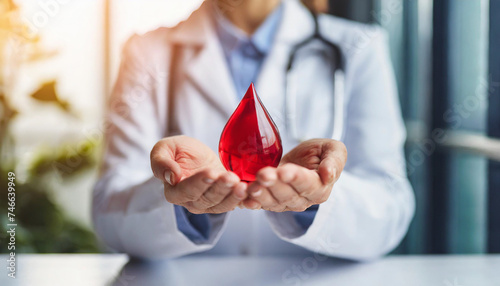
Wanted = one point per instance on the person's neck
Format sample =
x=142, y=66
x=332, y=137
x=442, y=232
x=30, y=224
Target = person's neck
x=247, y=14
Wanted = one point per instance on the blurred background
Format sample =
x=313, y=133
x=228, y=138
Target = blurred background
x=59, y=59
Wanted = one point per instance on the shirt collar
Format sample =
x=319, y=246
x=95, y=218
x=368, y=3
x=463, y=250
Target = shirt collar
x=262, y=39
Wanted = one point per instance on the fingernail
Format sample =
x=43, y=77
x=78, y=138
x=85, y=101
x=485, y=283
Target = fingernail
x=229, y=185
x=334, y=173
x=257, y=193
x=208, y=180
x=168, y=177
x=267, y=183
x=255, y=207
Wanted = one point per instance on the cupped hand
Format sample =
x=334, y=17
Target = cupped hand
x=304, y=178
x=194, y=177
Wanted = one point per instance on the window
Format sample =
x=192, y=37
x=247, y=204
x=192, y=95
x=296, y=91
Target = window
x=447, y=71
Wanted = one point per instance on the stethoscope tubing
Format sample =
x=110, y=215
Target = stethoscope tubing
x=339, y=88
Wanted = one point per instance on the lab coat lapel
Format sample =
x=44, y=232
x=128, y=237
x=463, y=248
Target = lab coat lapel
x=207, y=70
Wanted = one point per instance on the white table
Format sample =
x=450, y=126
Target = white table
x=116, y=269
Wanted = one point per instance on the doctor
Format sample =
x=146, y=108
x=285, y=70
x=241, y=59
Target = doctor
x=176, y=89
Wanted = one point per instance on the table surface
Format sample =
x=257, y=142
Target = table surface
x=117, y=269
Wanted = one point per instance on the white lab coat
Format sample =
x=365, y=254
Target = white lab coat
x=370, y=206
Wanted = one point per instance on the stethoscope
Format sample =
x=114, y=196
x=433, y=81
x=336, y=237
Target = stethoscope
x=338, y=98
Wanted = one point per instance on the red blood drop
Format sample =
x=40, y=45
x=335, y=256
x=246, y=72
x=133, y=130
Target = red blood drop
x=250, y=140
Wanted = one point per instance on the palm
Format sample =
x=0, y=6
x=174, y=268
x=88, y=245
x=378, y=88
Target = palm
x=308, y=154
x=305, y=177
x=193, y=176
x=192, y=155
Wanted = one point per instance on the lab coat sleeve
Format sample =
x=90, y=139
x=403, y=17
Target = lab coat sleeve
x=130, y=213
x=372, y=203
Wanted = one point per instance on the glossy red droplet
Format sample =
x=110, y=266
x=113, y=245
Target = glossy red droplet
x=250, y=140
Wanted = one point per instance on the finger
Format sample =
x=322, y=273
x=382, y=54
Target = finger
x=266, y=176
x=283, y=193
x=191, y=188
x=327, y=171
x=218, y=191
x=262, y=196
x=333, y=159
x=232, y=200
x=164, y=167
x=250, y=203
x=306, y=183
x=288, y=197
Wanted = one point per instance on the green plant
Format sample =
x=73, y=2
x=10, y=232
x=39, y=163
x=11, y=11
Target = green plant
x=41, y=224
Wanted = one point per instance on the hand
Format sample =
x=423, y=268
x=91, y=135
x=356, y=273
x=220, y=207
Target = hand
x=304, y=178
x=193, y=176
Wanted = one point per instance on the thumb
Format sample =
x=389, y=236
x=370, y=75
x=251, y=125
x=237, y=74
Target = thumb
x=332, y=161
x=165, y=168
x=327, y=171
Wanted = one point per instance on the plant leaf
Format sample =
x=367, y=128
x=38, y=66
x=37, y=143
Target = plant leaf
x=47, y=93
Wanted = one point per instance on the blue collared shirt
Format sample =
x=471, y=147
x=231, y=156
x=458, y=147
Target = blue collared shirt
x=245, y=55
